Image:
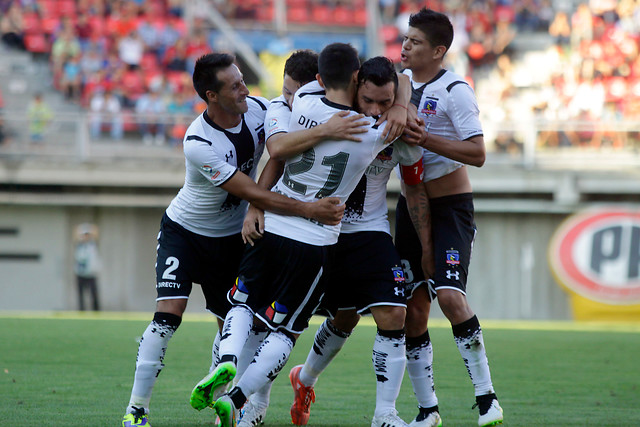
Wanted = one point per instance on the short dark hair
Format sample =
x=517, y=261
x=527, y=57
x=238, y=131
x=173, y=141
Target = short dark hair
x=336, y=64
x=205, y=73
x=436, y=26
x=378, y=70
x=302, y=66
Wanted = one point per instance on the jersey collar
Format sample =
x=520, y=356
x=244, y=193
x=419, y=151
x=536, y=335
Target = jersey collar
x=335, y=104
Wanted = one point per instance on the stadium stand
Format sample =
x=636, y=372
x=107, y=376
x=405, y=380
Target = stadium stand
x=590, y=51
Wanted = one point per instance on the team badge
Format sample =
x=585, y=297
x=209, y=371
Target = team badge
x=429, y=107
x=386, y=153
x=453, y=257
x=261, y=136
x=239, y=292
x=276, y=312
x=398, y=274
x=273, y=122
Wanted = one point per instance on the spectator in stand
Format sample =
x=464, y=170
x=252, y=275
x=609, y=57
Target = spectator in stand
x=149, y=34
x=151, y=116
x=92, y=61
x=181, y=109
x=131, y=49
x=560, y=29
x=84, y=29
x=169, y=35
x=388, y=9
x=131, y=86
x=175, y=57
x=106, y=110
x=40, y=115
x=12, y=27
x=65, y=47
x=71, y=79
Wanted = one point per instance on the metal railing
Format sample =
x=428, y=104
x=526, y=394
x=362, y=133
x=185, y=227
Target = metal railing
x=530, y=144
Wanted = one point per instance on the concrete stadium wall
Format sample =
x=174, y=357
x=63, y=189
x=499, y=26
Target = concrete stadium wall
x=509, y=277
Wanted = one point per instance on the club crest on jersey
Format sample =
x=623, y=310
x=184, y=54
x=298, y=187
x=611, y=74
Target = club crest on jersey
x=261, y=136
x=386, y=153
x=276, y=312
x=398, y=274
x=429, y=107
x=453, y=257
x=213, y=174
x=239, y=292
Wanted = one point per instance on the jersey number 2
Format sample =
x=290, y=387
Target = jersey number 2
x=337, y=163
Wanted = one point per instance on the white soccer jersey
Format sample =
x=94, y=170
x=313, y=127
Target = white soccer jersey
x=449, y=109
x=330, y=169
x=366, y=208
x=212, y=156
x=277, y=118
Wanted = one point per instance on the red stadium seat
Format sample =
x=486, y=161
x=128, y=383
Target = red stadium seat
x=360, y=17
x=49, y=8
x=149, y=62
x=321, y=14
x=389, y=33
x=31, y=23
x=298, y=15
x=393, y=51
x=343, y=16
x=264, y=13
x=37, y=43
x=50, y=24
x=66, y=7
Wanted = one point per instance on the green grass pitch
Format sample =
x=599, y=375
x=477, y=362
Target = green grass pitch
x=77, y=370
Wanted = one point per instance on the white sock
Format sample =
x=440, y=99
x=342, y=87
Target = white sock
x=151, y=351
x=256, y=336
x=235, y=332
x=215, y=352
x=468, y=337
x=268, y=362
x=326, y=345
x=420, y=369
x=388, y=363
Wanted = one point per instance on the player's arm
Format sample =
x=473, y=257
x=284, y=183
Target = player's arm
x=327, y=211
x=397, y=115
x=253, y=225
x=412, y=171
x=470, y=151
x=340, y=126
x=418, y=207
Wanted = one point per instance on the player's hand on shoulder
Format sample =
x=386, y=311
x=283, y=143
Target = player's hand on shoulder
x=396, y=118
x=253, y=225
x=414, y=133
x=327, y=211
x=344, y=126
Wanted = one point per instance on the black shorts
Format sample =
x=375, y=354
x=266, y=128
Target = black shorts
x=279, y=280
x=453, y=231
x=365, y=271
x=184, y=257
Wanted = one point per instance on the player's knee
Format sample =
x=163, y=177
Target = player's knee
x=454, y=306
x=345, y=320
x=389, y=317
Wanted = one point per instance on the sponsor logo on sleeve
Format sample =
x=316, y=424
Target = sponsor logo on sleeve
x=213, y=174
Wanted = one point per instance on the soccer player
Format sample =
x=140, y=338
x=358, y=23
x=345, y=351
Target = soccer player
x=452, y=137
x=300, y=68
x=366, y=259
x=279, y=279
x=199, y=239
